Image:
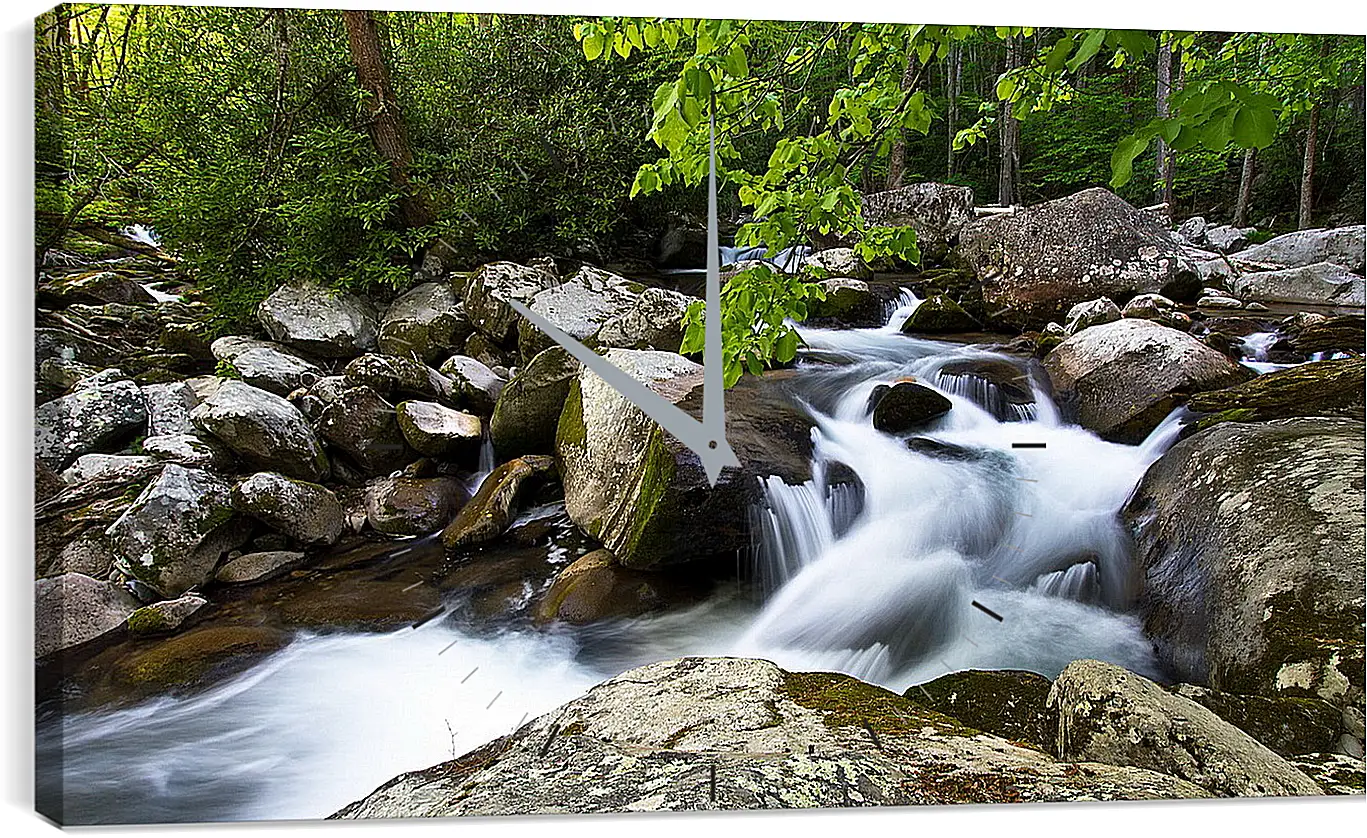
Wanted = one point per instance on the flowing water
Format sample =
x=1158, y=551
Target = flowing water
x=898, y=562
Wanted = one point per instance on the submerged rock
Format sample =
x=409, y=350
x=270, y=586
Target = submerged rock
x=596, y=588
x=72, y=610
x=412, y=505
x=1122, y=379
x=1249, y=541
x=528, y=408
x=177, y=531
x=89, y=419
x=306, y=512
x=492, y=508
x=1106, y=714
x=193, y=658
x=313, y=319
x=426, y=322
x=649, y=740
x=263, y=429
x=906, y=406
x=1038, y=262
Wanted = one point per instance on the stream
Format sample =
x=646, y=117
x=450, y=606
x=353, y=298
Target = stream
x=992, y=542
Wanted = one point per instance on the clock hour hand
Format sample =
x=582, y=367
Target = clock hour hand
x=711, y=448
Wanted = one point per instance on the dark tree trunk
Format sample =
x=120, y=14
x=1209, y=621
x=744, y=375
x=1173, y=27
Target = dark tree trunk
x=1009, y=171
x=897, y=156
x=1245, y=198
x=1307, y=202
x=1163, y=156
x=385, y=122
x=953, y=81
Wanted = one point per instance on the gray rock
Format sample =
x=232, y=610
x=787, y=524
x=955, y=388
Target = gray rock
x=258, y=567
x=73, y=610
x=112, y=466
x=1037, y=263
x=937, y=211
x=88, y=553
x=263, y=429
x=366, y=428
x=488, y=289
x=579, y=307
x=1194, y=230
x=1322, y=283
x=167, y=615
x=653, y=321
x=1210, y=300
x=86, y=421
x=188, y=450
x=1335, y=773
x=178, y=529
x=266, y=365
x=1122, y=379
x=1342, y=246
x=478, y=385
x=93, y=288
x=438, y=431
x=306, y=512
x=838, y=262
x=1249, y=542
x=649, y=740
x=426, y=323
x=312, y=319
x=100, y=379
x=412, y=505
x=1226, y=239
x=906, y=406
x=1107, y=714
x=1092, y=313
x=168, y=408
x=528, y=408
x=1159, y=309
x=391, y=375
x=846, y=298
x=56, y=377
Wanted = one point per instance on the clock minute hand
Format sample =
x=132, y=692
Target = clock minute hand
x=712, y=449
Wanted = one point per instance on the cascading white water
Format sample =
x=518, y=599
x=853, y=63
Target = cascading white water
x=872, y=568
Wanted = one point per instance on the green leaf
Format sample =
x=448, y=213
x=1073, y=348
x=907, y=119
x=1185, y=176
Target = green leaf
x=1122, y=159
x=593, y=45
x=785, y=348
x=1255, y=126
x=1006, y=86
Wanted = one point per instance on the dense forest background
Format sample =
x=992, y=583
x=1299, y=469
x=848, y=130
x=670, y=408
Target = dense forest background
x=271, y=144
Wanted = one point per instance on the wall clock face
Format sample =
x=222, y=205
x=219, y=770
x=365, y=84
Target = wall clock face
x=386, y=464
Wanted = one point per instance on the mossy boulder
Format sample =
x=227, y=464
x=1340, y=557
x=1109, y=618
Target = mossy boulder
x=1321, y=388
x=528, y=408
x=426, y=322
x=488, y=289
x=167, y=615
x=1009, y=703
x=579, y=307
x=394, y=376
x=595, y=588
x=193, y=658
x=1249, y=542
x=306, y=512
x=494, y=505
x=412, y=505
x=365, y=427
x=318, y=321
x=938, y=315
x=1286, y=724
x=264, y=430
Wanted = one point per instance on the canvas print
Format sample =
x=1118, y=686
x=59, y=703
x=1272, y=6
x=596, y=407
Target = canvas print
x=479, y=414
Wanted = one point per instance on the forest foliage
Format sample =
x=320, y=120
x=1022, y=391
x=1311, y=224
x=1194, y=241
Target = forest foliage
x=242, y=136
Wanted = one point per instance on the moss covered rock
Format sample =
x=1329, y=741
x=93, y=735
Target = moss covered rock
x=596, y=588
x=492, y=508
x=528, y=408
x=1286, y=724
x=306, y=512
x=1008, y=703
x=1321, y=388
x=938, y=315
x=412, y=505
x=195, y=657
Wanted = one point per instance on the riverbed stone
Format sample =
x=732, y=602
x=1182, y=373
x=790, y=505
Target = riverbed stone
x=1321, y=283
x=251, y=568
x=999, y=387
x=306, y=512
x=392, y=376
x=189, y=450
x=579, y=307
x=365, y=427
x=647, y=740
x=1091, y=313
x=313, y=319
x=490, y=287
x=1288, y=725
x=595, y=588
x=838, y=262
x=427, y=323
x=1227, y=239
x=1009, y=703
x=908, y=405
x=478, y=385
x=494, y=505
x=1249, y=543
x=412, y=505
x=168, y=408
x=108, y=466
x=528, y=408
x=1319, y=388
x=435, y=430
x=177, y=531
x=939, y=314
x=1341, y=246
x=1122, y=379
x=193, y=658
x=938, y=212
x=267, y=365
x=1107, y=714
x=72, y=610
x=1040, y=261
x=263, y=429
x=86, y=421
x=165, y=616
x=1335, y=773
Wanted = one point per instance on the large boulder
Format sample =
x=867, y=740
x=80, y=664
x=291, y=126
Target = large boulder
x=426, y=323
x=316, y=320
x=89, y=419
x=1320, y=388
x=906, y=406
x=306, y=512
x=579, y=307
x=1038, y=262
x=1249, y=542
x=72, y=610
x=939, y=314
x=412, y=505
x=528, y=408
x=263, y=429
x=177, y=531
x=838, y=262
x=266, y=365
x=490, y=287
x=654, y=320
x=1321, y=283
x=478, y=385
x=848, y=301
x=1009, y=703
x=365, y=427
x=168, y=408
x=734, y=733
x=1288, y=725
x=641, y=492
x=1107, y=714
x=392, y=375
x=1122, y=379
x=937, y=211
x=435, y=430
x=1341, y=246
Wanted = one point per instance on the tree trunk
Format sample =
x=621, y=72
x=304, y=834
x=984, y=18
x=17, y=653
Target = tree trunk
x=952, y=84
x=385, y=122
x=1245, y=199
x=897, y=156
x=1307, y=202
x=1163, y=157
x=1010, y=139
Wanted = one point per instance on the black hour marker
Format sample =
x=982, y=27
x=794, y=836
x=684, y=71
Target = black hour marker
x=988, y=611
